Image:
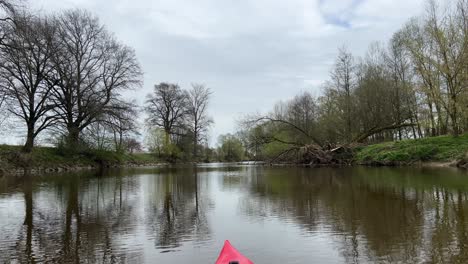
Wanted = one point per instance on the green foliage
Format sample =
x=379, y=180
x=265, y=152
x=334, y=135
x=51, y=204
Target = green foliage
x=443, y=148
x=155, y=138
x=273, y=149
x=230, y=149
x=11, y=157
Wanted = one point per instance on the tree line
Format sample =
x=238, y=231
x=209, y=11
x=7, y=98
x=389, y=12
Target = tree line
x=178, y=123
x=415, y=86
x=65, y=74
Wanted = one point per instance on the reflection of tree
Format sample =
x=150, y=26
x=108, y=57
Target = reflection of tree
x=402, y=218
x=24, y=245
x=177, y=210
x=82, y=222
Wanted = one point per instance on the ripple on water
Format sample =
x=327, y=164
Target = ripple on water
x=272, y=215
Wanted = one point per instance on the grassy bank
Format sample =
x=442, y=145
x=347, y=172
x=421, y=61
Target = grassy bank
x=11, y=158
x=436, y=149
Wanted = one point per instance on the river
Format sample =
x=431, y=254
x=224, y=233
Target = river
x=272, y=215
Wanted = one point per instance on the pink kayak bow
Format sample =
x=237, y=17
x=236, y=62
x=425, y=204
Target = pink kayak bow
x=230, y=255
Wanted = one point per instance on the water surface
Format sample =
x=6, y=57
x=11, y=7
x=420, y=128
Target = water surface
x=272, y=215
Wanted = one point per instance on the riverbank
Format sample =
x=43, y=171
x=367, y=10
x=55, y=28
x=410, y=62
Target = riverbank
x=49, y=159
x=443, y=151
x=434, y=151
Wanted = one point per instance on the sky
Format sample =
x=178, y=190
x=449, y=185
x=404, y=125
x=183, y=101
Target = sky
x=250, y=53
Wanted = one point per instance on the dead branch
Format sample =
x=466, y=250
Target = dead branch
x=375, y=130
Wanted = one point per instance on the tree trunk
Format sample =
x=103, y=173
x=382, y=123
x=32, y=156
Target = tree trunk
x=73, y=137
x=454, y=116
x=454, y=119
x=195, y=141
x=435, y=130
x=27, y=148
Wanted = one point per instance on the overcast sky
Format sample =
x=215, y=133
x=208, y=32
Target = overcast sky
x=251, y=53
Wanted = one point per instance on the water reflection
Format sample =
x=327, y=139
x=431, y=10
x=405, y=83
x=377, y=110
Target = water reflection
x=96, y=217
x=275, y=215
x=175, y=211
x=391, y=215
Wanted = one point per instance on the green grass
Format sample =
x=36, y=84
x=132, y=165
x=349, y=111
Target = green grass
x=435, y=149
x=11, y=157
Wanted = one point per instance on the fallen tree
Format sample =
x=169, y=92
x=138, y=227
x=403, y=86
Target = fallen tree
x=312, y=151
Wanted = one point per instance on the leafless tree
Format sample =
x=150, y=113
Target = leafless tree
x=132, y=145
x=197, y=112
x=167, y=108
x=122, y=124
x=343, y=78
x=8, y=7
x=98, y=136
x=302, y=112
x=7, y=11
x=112, y=130
x=403, y=98
x=91, y=68
x=25, y=64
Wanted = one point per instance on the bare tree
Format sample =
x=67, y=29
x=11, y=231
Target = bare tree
x=25, y=64
x=403, y=97
x=166, y=108
x=302, y=112
x=132, y=145
x=197, y=111
x=342, y=76
x=122, y=124
x=98, y=136
x=91, y=69
x=7, y=9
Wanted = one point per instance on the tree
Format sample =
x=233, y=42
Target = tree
x=7, y=11
x=166, y=108
x=122, y=124
x=374, y=93
x=25, y=64
x=91, y=68
x=301, y=111
x=154, y=139
x=114, y=129
x=403, y=98
x=342, y=77
x=450, y=38
x=197, y=112
x=8, y=8
x=438, y=46
x=419, y=47
x=3, y=96
x=230, y=148
x=98, y=136
x=132, y=145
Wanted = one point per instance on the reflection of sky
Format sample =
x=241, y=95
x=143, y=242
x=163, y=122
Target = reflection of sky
x=11, y=219
x=268, y=239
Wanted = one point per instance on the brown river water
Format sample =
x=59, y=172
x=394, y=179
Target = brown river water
x=272, y=215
